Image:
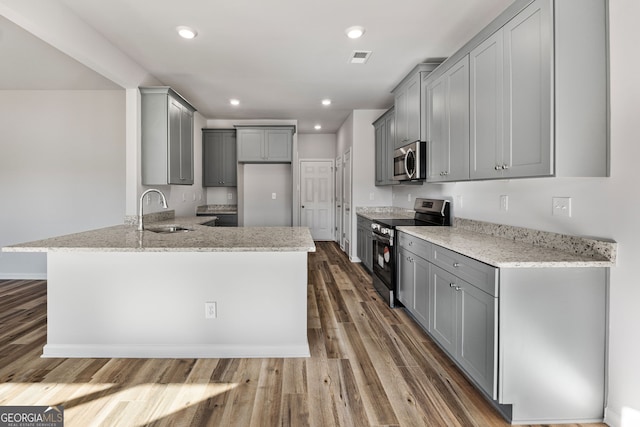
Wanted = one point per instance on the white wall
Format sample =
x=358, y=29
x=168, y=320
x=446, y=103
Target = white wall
x=358, y=134
x=261, y=181
x=317, y=146
x=601, y=207
x=62, y=168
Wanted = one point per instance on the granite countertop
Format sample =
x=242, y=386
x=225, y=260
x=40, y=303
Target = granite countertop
x=515, y=247
x=384, y=212
x=217, y=209
x=126, y=238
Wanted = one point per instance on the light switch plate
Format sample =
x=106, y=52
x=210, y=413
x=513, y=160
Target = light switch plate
x=561, y=206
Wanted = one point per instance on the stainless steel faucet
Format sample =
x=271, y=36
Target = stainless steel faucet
x=163, y=200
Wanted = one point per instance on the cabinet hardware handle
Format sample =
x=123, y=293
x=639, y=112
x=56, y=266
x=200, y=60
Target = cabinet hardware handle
x=497, y=167
x=302, y=206
x=410, y=243
x=458, y=288
x=456, y=265
x=452, y=285
x=505, y=166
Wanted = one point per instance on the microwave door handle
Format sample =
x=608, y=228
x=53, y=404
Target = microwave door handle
x=406, y=168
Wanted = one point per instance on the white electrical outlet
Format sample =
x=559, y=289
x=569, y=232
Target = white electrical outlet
x=184, y=197
x=194, y=197
x=409, y=197
x=229, y=196
x=210, y=310
x=273, y=196
x=561, y=206
x=371, y=196
x=459, y=201
x=504, y=203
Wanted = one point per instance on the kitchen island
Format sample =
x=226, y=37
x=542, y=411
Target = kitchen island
x=207, y=292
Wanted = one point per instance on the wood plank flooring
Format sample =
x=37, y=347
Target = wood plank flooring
x=370, y=366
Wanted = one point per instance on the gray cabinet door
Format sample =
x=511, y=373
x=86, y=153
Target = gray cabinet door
x=406, y=278
x=402, y=121
x=421, y=303
x=380, y=134
x=388, y=148
x=528, y=148
x=384, y=128
x=174, y=146
x=437, y=130
x=186, y=147
x=219, y=158
x=364, y=251
x=278, y=145
x=250, y=145
x=477, y=332
x=457, y=156
x=413, y=108
x=443, y=308
x=487, y=110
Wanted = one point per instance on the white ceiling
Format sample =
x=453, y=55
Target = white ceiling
x=280, y=58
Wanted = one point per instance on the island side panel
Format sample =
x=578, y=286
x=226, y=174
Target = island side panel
x=553, y=344
x=112, y=304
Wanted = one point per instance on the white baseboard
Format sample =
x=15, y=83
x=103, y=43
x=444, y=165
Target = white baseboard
x=174, y=351
x=23, y=276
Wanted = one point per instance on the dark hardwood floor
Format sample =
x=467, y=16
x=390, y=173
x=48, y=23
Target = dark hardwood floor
x=369, y=366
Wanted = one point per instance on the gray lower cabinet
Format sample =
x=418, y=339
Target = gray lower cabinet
x=447, y=110
x=167, y=137
x=384, y=142
x=265, y=144
x=413, y=285
x=219, y=153
x=533, y=340
x=364, y=249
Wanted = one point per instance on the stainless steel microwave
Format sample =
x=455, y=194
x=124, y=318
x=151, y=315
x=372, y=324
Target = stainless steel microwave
x=410, y=162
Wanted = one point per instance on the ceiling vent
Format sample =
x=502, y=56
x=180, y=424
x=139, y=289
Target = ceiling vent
x=359, y=56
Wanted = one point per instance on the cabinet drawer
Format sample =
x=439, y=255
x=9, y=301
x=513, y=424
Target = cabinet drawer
x=475, y=272
x=415, y=244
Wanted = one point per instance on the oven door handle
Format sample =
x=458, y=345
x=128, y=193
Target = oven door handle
x=382, y=239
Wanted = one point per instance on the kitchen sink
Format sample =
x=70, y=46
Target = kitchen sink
x=168, y=229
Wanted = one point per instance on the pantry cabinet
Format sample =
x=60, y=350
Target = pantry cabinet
x=167, y=137
x=219, y=166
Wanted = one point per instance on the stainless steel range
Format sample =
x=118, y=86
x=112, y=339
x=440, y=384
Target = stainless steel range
x=429, y=212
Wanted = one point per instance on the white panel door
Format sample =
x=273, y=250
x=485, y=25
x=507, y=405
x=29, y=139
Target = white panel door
x=316, y=198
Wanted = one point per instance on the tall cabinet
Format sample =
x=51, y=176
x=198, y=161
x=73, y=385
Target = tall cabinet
x=167, y=137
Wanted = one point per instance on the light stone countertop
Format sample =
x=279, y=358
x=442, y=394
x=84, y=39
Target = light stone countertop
x=126, y=238
x=216, y=209
x=505, y=252
x=384, y=212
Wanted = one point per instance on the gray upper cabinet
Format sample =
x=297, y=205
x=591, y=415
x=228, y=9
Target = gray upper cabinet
x=219, y=154
x=265, y=144
x=447, y=109
x=167, y=137
x=384, y=143
x=538, y=95
x=511, y=98
x=409, y=121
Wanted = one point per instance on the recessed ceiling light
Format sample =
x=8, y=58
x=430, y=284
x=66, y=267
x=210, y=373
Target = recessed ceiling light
x=354, y=32
x=186, y=32
x=317, y=127
x=234, y=102
x=326, y=102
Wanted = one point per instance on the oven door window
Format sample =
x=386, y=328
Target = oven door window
x=383, y=261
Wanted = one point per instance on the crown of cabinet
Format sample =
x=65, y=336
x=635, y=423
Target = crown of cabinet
x=167, y=137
